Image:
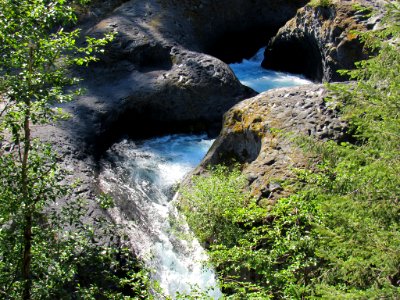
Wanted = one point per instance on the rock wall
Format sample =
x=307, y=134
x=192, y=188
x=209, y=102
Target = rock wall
x=318, y=41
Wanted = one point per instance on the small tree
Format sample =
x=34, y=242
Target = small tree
x=37, y=259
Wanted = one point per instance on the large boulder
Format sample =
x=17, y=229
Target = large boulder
x=258, y=134
x=190, y=94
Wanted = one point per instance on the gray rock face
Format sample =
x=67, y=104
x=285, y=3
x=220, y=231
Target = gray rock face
x=255, y=134
x=318, y=41
x=191, y=94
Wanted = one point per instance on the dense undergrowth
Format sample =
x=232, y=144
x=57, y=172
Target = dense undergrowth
x=338, y=235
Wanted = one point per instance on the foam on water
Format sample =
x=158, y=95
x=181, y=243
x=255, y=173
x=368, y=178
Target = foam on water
x=251, y=74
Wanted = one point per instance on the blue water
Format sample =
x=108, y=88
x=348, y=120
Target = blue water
x=251, y=74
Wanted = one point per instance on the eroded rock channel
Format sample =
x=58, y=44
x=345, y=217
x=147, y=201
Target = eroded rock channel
x=166, y=72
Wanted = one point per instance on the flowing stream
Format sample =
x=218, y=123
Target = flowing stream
x=250, y=73
x=141, y=176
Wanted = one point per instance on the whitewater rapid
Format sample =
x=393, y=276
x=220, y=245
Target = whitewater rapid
x=141, y=177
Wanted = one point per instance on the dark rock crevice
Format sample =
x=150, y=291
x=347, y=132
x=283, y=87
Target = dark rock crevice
x=230, y=29
x=234, y=46
x=295, y=55
x=146, y=124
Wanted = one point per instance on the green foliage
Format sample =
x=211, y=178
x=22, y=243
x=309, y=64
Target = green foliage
x=360, y=182
x=338, y=235
x=195, y=294
x=34, y=66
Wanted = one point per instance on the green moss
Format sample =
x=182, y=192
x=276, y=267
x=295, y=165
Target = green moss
x=321, y=3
